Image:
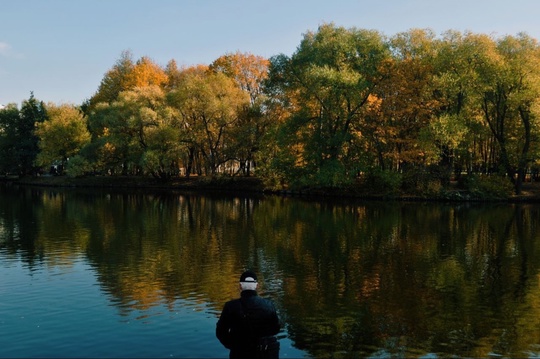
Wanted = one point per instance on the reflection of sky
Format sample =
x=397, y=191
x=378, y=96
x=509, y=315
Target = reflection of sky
x=61, y=311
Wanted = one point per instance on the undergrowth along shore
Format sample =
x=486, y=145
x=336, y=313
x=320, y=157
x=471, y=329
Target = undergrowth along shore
x=251, y=186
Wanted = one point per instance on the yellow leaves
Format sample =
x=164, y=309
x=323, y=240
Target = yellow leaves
x=374, y=103
x=109, y=147
x=208, y=94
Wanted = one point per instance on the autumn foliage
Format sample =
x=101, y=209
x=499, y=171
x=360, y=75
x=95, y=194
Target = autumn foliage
x=350, y=108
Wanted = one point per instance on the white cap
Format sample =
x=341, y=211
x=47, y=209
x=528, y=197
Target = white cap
x=249, y=285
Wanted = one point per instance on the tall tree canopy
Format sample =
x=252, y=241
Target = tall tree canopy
x=331, y=75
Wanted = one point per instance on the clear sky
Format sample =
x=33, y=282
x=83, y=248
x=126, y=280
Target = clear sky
x=60, y=49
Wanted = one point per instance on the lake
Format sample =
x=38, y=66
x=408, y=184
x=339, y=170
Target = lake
x=107, y=273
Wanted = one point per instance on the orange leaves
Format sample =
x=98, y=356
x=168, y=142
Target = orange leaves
x=145, y=73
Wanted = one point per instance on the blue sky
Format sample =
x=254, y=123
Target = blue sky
x=60, y=49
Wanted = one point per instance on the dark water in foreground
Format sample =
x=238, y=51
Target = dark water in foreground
x=103, y=274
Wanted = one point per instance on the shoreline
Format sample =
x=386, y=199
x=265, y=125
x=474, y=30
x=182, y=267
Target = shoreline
x=247, y=185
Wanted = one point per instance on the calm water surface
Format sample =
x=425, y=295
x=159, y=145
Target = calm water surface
x=108, y=274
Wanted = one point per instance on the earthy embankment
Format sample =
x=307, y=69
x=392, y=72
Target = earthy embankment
x=245, y=185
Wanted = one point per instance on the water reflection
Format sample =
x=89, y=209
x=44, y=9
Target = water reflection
x=350, y=279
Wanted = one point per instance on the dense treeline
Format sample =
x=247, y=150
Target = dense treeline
x=350, y=108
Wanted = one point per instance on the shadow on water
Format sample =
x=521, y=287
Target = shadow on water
x=351, y=279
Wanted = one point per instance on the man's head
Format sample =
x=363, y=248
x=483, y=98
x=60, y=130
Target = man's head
x=248, y=280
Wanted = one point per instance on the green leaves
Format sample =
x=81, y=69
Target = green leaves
x=62, y=135
x=327, y=82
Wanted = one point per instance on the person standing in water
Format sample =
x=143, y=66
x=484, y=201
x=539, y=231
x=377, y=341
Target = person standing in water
x=248, y=325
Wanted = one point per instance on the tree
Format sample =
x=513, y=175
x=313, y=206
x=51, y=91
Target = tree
x=121, y=128
x=249, y=72
x=26, y=142
x=158, y=135
x=114, y=81
x=209, y=104
x=509, y=92
x=174, y=75
x=457, y=127
x=9, y=119
x=402, y=103
x=61, y=135
x=330, y=76
x=128, y=102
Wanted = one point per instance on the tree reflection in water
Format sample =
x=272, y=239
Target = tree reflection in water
x=349, y=278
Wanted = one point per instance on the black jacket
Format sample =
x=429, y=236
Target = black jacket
x=243, y=321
